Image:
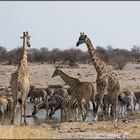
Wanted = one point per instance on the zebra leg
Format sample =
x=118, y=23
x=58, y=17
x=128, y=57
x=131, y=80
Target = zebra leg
x=47, y=113
x=105, y=109
x=47, y=116
x=108, y=111
x=75, y=114
x=61, y=114
x=81, y=110
x=124, y=111
x=87, y=106
x=2, y=109
x=134, y=105
x=52, y=112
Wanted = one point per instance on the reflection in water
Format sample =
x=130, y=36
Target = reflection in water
x=40, y=117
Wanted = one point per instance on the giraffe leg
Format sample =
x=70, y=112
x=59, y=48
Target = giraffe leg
x=21, y=114
x=14, y=111
x=99, y=103
x=83, y=112
x=114, y=109
x=25, y=105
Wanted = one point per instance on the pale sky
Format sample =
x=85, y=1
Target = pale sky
x=58, y=24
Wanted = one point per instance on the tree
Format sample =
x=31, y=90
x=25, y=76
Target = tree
x=3, y=53
x=14, y=56
x=135, y=48
x=119, y=58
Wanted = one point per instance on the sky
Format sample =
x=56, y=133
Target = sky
x=58, y=24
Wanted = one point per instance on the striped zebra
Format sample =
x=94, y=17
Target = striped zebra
x=51, y=104
x=55, y=102
x=3, y=104
x=59, y=91
x=126, y=101
x=36, y=93
x=67, y=105
x=40, y=105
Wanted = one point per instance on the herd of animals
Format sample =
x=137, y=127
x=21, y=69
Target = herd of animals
x=73, y=99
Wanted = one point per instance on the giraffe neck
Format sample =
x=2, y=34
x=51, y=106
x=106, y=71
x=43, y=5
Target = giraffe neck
x=98, y=64
x=24, y=53
x=68, y=80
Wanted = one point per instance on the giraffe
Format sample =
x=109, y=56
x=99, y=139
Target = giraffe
x=107, y=81
x=82, y=90
x=20, y=81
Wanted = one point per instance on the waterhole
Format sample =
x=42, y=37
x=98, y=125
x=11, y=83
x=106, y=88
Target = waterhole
x=38, y=119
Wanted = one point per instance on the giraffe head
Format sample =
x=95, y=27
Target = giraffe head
x=82, y=39
x=56, y=72
x=26, y=38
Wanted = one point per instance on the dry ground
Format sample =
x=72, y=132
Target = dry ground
x=73, y=130
x=40, y=76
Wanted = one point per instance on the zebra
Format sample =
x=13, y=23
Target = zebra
x=67, y=104
x=3, y=104
x=36, y=93
x=125, y=102
x=106, y=105
x=56, y=102
x=136, y=99
x=38, y=106
x=60, y=91
x=10, y=100
x=51, y=103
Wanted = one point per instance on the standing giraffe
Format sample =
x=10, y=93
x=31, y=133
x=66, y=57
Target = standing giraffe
x=106, y=81
x=20, y=80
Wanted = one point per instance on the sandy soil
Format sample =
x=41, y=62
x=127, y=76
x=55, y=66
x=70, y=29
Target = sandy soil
x=40, y=76
x=73, y=130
